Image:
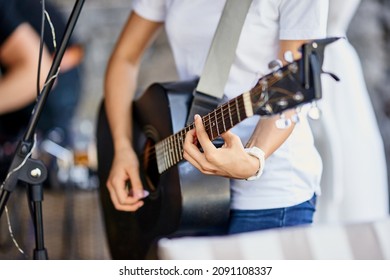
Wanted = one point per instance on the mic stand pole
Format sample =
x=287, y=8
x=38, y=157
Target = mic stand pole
x=23, y=167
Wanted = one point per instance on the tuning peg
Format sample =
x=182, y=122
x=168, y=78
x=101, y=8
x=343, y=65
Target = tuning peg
x=275, y=65
x=298, y=96
x=295, y=118
x=288, y=56
x=282, y=122
x=314, y=112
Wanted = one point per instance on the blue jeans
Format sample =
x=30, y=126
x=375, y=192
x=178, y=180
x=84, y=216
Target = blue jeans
x=251, y=220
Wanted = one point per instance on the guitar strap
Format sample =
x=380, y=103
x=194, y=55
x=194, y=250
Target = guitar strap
x=210, y=89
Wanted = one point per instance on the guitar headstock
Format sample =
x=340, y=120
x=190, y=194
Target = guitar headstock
x=280, y=90
x=292, y=85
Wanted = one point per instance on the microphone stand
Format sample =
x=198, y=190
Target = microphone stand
x=23, y=167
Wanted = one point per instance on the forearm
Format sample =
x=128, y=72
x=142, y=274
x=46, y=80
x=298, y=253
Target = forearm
x=19, y=56
x=17, y=89
x=267, y=136
x=121, y=77
x=120, y=86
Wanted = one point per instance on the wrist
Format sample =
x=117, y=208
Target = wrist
x=122, y=145
x=260, y=155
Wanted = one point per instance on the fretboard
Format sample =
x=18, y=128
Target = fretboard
x=169, y=151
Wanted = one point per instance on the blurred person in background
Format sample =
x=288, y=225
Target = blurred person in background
x=57, y=115
x=63, y=99
x=19, y=53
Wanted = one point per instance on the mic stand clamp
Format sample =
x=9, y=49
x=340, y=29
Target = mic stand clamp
x=34, y=173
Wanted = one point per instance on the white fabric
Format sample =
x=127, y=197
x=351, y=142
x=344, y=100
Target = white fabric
x=292, y=173
x=349, y=241
x=354, y=182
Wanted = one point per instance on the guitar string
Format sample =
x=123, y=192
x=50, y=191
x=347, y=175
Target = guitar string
x=208, y=121
x=151, y=151
x=212, y=117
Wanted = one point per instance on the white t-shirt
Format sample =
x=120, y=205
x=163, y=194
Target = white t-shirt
x=292, y=173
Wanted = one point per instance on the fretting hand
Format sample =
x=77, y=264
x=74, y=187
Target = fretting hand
x=230, y=160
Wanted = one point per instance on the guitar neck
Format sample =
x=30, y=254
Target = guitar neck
x=286, y=87
x=169, y=151
x=227, y=115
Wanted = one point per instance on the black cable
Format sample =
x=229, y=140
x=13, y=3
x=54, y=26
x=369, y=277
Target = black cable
x=41, y=47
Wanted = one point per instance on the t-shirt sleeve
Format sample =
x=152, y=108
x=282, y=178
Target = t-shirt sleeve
x=303, y=19
x=9, y=19
x=154, y=10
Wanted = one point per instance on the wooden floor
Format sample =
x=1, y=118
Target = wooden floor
x=73, y=226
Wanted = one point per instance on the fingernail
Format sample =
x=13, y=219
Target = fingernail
x=196, y=116
x=146, y=193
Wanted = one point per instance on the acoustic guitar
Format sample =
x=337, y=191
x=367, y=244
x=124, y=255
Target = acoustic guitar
x=182, y=200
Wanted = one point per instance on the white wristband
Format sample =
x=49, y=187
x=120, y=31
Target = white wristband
x=259, y=153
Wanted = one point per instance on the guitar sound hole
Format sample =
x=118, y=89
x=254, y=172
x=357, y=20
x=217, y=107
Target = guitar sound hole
x=148, y=213
x=149, y=165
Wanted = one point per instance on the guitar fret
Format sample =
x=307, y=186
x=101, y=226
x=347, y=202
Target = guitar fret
x=216, y=121
x=238, y=112
x=230, y=116
x=183, y=136
x=207, y=125
x=172, y=151
x=165, y=155
x=220, y=123
x=169, y=152
x=180, y=140
x=161, y=155
x=177, y=157
x=223, y=119
x=175, y=152
x=177, y=149
x=160, y=164
x=181, y=143
x=164, y=159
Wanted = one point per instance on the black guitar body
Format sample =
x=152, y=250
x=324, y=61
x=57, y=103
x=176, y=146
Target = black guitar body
x=182, y=200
